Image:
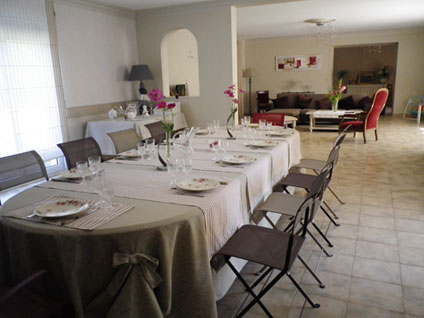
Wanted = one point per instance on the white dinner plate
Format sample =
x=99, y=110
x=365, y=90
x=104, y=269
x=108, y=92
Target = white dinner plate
x=237, y=159
x=202, y=132
x=262, y=143
x=279, y=133
x=60, y=208
x=130, y=154
x=71, y=174
x=253, y=125
x=198, y=184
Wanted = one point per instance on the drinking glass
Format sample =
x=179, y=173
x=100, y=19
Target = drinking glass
x=246, y=120
x=187, y=166
x=262, y=124
x=149, y=148
x=269, y=125
x=173, y=167
x=215, y=144
x=140, y=149
x=210, y=128
x=82, y=167
x=94, y=163
x=104, y=190
x=216, y=125
x=224, y=147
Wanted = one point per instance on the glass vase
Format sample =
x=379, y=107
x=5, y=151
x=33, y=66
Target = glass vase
x=335, y=106
x=168, y=143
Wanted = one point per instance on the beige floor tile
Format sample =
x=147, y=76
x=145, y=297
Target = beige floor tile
x=406, y=225
x=414, y=300
x=411, y=256
x=410, y=214
x=371, y=234
x=412, y=276
x=411, y=239
x=372, y=293
x=336, y=285
x=329, y=308
x=386, y=222
x=362, y=311
x=380, y=251
x=345, y=231
x=338, y=263
x=376, y=270
x=377, y=210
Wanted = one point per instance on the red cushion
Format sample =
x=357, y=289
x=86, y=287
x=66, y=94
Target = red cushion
x=275, y=118
x=356, y=123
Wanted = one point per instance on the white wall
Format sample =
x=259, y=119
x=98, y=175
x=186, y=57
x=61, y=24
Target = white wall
x=213, y=30
x=97, y=46
x=260, y=57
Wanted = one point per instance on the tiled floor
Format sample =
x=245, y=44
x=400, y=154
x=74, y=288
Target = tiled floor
x=378, y=265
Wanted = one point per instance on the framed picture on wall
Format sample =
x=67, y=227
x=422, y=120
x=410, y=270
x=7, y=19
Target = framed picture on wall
x=298, y=63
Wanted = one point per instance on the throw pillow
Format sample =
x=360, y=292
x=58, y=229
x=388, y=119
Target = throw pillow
x=365, y=103
x=282, y=102
x=347, y=103
x=303, y=101
x=324, y=103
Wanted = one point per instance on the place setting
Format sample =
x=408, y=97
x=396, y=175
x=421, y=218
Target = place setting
x=85, y=169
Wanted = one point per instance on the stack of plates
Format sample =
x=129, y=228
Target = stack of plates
x=198, y=184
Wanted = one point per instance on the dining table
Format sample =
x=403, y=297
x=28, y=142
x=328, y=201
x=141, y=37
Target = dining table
x=151, y=253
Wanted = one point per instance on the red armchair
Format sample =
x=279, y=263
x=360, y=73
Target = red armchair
x=366, y=120
x=276, y=119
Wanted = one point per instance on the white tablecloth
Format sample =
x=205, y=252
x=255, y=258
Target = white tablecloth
x=98, y=129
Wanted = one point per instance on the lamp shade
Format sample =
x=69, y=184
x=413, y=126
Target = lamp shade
x=248, y=73
x=140, y=73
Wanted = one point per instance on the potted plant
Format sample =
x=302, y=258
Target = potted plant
x=383, y=74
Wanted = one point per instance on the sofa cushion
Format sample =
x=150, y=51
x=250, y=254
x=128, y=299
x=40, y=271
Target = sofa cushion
x=323, y=103
x=303, y=101
x=347, y=103
x=282, y=102
x=365, y=103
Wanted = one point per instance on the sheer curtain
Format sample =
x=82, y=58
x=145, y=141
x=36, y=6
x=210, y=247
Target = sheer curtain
x=29, y=109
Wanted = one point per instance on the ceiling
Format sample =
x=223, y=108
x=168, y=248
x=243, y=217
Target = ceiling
x=145, y=4
x=286, y=19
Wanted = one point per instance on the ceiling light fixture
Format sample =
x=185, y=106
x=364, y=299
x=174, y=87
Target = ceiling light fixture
x=320, y=28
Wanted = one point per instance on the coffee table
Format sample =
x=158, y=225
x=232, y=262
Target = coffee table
x=290, y=120
x=327, y=114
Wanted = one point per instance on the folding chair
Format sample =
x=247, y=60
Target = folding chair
x=157, y=131
x=273, y=248
x=124, y=140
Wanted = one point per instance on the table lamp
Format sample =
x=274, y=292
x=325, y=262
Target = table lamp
x=141, y=73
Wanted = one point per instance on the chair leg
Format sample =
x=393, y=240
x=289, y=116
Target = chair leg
x=329, y=216
x=336, y=196
x=322, y=234
x=354, y=134
x=365, y=137
x=330, y=209
x=320, y=283
x=256, y=298
x=302, y=292
x=376, y=136
x=319, y=244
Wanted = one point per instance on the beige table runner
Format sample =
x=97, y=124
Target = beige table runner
x=222, y=207
x=85, y=221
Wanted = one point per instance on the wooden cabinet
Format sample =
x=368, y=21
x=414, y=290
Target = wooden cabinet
x=364, y=89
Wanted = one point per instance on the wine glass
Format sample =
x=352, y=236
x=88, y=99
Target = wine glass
x=82, y=167
x=94, y=163
x=104, y=190
x=224, y=148
x=173, y=167
x=210, y=128
x=149, y=148
x=215, y=145
x=262, y=124
x=246, y=120
x=216, y=124
x=140, y=149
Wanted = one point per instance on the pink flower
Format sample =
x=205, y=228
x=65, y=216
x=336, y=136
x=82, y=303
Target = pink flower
x=232, y=86
x=228, y=92
x=162, y=105
x=171, y=105
x=241, y=91
x=235, y=101
x=231, y=95
x=156, y=95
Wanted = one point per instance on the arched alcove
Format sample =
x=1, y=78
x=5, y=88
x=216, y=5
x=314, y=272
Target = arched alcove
x=180, y=64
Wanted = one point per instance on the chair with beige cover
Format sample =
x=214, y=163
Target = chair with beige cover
x=124, y=140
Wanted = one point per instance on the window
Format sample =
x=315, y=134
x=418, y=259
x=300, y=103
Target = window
x=29, y=108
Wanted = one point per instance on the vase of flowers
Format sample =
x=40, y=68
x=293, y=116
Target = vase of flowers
x=167, y=117
x=335, y=94
x=231, y=92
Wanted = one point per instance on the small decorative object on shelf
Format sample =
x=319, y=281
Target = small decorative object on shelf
x=231, y=92
x=335, y=94
x=167, y=119
x=383, y=74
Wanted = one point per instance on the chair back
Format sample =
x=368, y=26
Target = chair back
x=21, y=168
x=157, y=131
x=78, y=150
x=319, y=186
x=262, y=96
x=380, y=99
x=276, y=119
x=124, y=140
x=340, y=138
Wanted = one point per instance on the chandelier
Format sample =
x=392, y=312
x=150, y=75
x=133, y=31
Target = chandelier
x=320, y=28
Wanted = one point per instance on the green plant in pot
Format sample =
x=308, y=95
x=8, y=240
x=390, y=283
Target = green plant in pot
x=383, y=74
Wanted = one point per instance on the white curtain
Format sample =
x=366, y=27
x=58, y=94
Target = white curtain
x=29, y=108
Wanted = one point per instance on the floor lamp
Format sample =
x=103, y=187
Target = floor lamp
x=248, y=74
